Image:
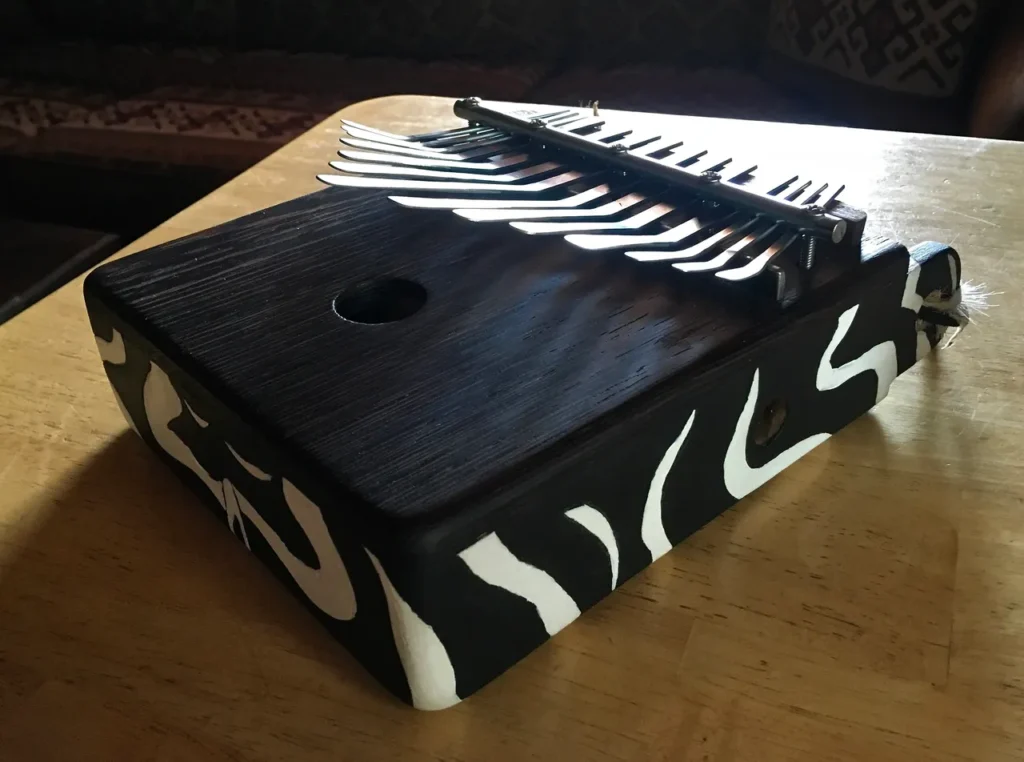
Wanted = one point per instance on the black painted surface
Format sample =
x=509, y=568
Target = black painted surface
x=522, y=342
x=534, y=379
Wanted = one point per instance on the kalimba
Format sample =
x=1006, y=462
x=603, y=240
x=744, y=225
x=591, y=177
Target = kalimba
x=489, y=374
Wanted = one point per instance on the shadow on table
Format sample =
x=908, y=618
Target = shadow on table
x=127, y=589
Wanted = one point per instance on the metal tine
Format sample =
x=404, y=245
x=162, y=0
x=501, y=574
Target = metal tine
x=760, y=263
x=454, y=148
x=469, y=143
x=502, y=161
x=814, y=196
x=686, y=162
x=667, y=146
x=410, y=138
x=437, y=186
x=562, y=121
x=476, y=153
x=566, y=202
x=428, y=136
x=709, y=164
x=590, y=122
x=794, y=195
x=441, y=133
x=638, y=220
x=449, y=140
x=455, y=139
x=487, y=148
x=607, y=133
x=733, y=251
x=674, y=234
x=508, y=215
x=770, y=187
x=835, y=197
x=723, y=237
x=637, y=143
x=358, y=132
x=437, y=174
x=746, y=172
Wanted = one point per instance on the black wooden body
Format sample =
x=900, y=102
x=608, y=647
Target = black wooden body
x=447, y=491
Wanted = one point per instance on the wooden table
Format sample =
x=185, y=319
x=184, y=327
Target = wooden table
x=866, y=605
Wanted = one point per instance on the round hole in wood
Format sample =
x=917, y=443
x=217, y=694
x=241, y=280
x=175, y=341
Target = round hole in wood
x=380, y=301
x=769, y=422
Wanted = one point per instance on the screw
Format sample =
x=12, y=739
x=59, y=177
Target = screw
x=472, y=101
x=536, y=122
x=619, y=148
x=709, y=176
x=816, y=209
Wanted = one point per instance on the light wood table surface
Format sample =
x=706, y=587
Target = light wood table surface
x=868, y=604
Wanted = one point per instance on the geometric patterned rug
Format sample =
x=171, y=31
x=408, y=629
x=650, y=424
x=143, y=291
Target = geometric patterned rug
x=911, y=46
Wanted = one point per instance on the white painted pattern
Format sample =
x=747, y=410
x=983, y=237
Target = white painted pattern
x=490, y=560
x=327, y=587
x=202, y=424
x=112, y=351
x=232, y=502
x=740, y=478
x=428, y=668
x=652, y=527
x=258, y=473
x=880, y=360
x=594, y=522
x=911, y=299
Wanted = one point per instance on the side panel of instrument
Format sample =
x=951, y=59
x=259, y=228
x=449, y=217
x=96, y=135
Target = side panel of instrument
x=284, y=517
x=437, y=618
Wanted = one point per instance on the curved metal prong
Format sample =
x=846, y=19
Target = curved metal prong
x=437, y=186
x=723, y=237
x=735, y=250
x=634, y=222
x=509, y=215
x=674, y=234
x=566, y=202
x=501, y=161
x=437, y=174
x=760, y=263
x=474, y=153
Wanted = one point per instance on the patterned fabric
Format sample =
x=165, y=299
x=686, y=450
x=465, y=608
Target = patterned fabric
x=202, y=108
x=29, y=108
x=910, y=46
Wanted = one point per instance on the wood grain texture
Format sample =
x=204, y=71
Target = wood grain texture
x=864, y=605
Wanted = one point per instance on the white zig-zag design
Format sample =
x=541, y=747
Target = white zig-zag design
x=594, y=522
x=880, y=359
x=490, y=560
x=428, y=668
x=328, y=587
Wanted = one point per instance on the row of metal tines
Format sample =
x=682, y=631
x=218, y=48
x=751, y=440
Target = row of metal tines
x=486, y=175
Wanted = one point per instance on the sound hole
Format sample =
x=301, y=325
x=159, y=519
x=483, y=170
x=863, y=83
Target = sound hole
x=768, y=423
x=380, y=301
